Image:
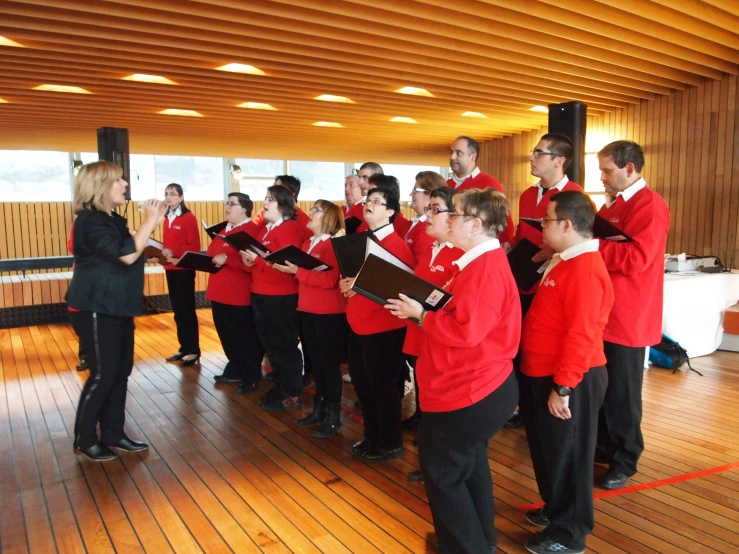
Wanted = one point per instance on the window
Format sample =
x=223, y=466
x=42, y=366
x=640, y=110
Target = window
x=319, y=179
x=201, y=178
x=257, y=175
x=593, y=185
x=142, y=179
x=28, y=175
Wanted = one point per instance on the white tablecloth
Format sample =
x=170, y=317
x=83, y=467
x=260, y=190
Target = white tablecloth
x=694, y=305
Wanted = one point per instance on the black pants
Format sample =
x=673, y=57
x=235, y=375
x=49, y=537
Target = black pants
x=277, y=322
x=452, y=447
x=181, y=284
x=375, y=365
x=322, y=342
x=238, y=335
x=619, y=426
x=562, y=451
x=108, y=343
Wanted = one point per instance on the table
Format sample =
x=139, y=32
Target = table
x=694, y=305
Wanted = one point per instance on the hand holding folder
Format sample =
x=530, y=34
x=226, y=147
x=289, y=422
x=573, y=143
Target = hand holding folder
x=153, y=249
x=198, y=262
x=244, y=241
x=297, y=257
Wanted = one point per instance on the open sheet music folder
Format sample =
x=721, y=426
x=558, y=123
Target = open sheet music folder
x=198, y=262
x=213, y=230
x=350, y=252
x=525, y=272
x=297, y=257
x=602, y=229
x=153, y=249
x=244, y=241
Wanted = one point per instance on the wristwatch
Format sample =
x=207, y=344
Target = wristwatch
x=562, y=391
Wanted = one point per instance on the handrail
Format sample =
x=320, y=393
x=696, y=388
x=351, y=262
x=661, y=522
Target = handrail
x=30, y=264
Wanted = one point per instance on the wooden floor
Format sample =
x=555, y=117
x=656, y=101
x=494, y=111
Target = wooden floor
x=222, y=475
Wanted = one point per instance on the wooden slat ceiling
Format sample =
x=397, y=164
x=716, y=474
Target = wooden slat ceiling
x=497, y=57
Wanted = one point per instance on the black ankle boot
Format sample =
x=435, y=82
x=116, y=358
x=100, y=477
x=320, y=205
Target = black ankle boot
x=332, y=423
x=317, y=415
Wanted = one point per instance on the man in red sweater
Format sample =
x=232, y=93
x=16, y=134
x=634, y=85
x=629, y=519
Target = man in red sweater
x=353, y=194
x=637, y=272
x=549, y=160
x=463, y=154
x=366, y=171
x=564, y=378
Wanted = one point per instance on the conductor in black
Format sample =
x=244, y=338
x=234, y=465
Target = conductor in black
x=107, y=288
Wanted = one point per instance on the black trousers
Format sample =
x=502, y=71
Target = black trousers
x=375, y=365
x=277, y=322
x=108, y=343
x=452, y=447
x=562, y=451
x=322, y=342
x=619, y=427
x=238, y=335
x=181, y=284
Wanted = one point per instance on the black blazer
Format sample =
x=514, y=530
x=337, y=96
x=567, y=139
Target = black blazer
x=101, y=282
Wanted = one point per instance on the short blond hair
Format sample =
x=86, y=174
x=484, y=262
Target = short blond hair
x=92, y=186
x=489, y=205
x=430, y=180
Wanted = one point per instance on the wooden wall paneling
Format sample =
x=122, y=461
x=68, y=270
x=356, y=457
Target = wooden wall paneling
x=708, y=170
x=694, y=165
x=682, y=159
x=734, y=187
x=721, y=209
x=5, y=231
x=17, y=231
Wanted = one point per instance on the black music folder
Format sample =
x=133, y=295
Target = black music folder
x=213, y=230
x=244, y=241
x=297, y=257
x=602, y=229
x=350, y=252
x=525, y=272
x=153, y=249
x=352, y=224
x=198, y=262
x=379, y=280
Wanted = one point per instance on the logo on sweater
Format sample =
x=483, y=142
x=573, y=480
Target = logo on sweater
x=435, y=268
x=615, y=219
x=548, y=282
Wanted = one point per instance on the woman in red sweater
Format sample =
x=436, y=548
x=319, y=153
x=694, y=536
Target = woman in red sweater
x=465, y=376
x=181, y=234
x=416, y=236
x=229, y=292
x=274, y=297
x=376, y=361
x=323, y=321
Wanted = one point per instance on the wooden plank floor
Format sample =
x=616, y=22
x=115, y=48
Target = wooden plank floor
x=222, y=475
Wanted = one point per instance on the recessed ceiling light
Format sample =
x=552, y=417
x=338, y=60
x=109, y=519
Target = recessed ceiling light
x=7, y=42
x=542, y=109
x=241, y=68
x=475, y=114
x=143, y=78
x=403, y=120
x=188, y=113
x=333, y=98
x=62, y=88
x=256, y=106
x=3, y=101
x=415, y=91
x=327, y=124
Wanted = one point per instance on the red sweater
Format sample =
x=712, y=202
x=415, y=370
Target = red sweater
x=472, y=340
x=357, y=210
x=318, y=291
x=302, y=220
x=270, y=281
x=367, y=317
x=419, y=240
x=232, y=284
x=400, y=224
x=637, y=268
x=439, y=274
x=563, y=330
x=182, y=236
x=484, y=181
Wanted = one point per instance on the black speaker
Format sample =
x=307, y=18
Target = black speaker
x=570, y=119
x=113, y=147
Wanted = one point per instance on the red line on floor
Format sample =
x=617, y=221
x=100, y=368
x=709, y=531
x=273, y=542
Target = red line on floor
x=650, y=485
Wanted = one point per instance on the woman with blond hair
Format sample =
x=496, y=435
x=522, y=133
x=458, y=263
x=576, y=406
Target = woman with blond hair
x=323, y=322
x=107, y=290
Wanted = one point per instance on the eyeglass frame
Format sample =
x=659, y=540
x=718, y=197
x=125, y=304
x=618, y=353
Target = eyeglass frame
x=316, y=210
x=430, y=209
x=373, y=202
x=231, y=204
x=416, y=189
x=537, y=153
x=557, y=219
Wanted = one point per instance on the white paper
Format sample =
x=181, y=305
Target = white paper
x=380, y=252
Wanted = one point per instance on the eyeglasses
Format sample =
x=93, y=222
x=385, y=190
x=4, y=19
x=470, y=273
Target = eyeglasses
x=416, y=189
x=231, y=204
x=535, y=153
x=548, y=219
x=315, y=210
x=436, y=210
x=171, y=194
x=374, y=202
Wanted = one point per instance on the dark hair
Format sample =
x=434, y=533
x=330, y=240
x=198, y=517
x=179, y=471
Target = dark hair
x=291, y=182
x=385, y=182
x=375, y=167
x=446, y=194
x=576, y=206
x=178, y=189
x=391, y=199
x=285, y=200
x=623, y=152
x=472, y=144
x=244, y=201
x=562, y=145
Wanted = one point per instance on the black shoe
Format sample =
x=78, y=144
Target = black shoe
x=316, y=416
x=97, y=453
x=414, y=476
x=540, y=544
x=191, y=361
x=382, y=454
x=128, y=445
x=175, y=357
x=538, y=518
x=223, y=378
x=613, y=480
x=411, y=424
x=269, y=396
x=331, y=423
x=249, y=386
x=81, y=365
x=514, y=422
x=282, y=403
x=365, y=445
